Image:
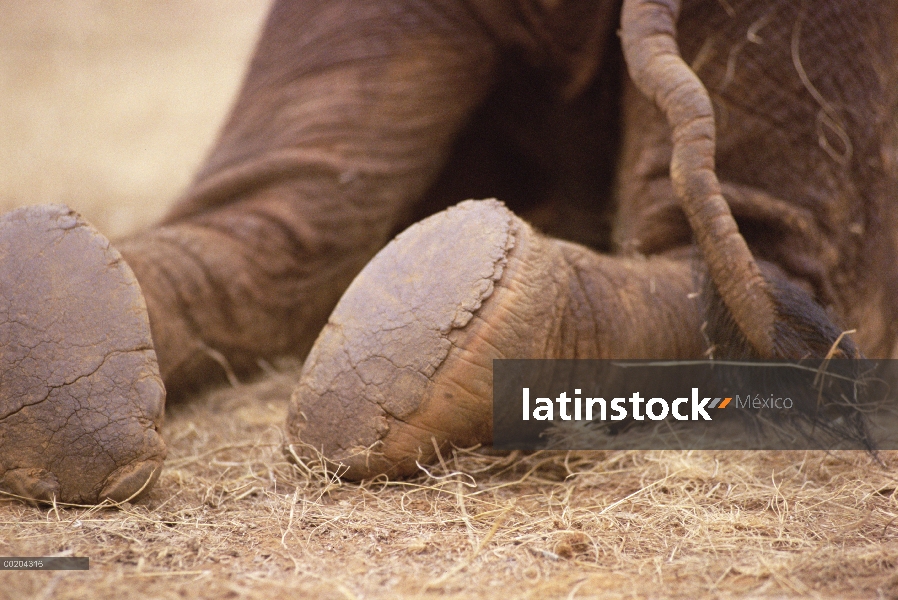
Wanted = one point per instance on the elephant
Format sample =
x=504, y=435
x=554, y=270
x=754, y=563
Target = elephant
x=713, y=179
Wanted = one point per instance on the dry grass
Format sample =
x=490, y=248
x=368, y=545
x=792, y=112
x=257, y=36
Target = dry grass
x=231, y=517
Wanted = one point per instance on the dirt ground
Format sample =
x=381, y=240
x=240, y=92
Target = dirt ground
x=109, y=107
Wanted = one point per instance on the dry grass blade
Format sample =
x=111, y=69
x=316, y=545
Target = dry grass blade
x=470, y=558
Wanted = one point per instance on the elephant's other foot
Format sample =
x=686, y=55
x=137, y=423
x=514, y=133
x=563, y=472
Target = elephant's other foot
x=404, y=364
x=81, y=400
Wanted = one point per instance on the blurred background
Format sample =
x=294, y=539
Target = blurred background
x=110, y=106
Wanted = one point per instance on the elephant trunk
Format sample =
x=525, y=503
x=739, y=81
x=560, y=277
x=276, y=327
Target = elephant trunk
x=776, y=321
x=653, y=59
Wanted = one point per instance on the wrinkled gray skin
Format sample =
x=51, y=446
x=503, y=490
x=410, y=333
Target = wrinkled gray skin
x=358, y=119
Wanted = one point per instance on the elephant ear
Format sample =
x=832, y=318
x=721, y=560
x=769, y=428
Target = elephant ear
x=775, y=322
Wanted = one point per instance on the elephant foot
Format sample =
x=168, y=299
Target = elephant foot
x=404, y=365
x=81, y=400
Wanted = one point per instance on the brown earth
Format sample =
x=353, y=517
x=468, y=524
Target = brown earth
x=109, y=106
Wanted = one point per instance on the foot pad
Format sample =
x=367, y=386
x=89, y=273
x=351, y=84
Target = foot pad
x=80, y=395
x=391, y=373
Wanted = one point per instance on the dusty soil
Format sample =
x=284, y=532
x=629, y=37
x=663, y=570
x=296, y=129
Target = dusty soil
x=110, y=106
x=231, y=517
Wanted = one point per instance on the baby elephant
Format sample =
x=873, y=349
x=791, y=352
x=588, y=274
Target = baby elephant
x=716, y=178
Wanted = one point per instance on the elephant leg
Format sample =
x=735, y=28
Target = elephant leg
x=405, y=361
x=346, y=117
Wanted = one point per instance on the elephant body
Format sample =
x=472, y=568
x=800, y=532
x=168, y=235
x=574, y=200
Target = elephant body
x=354, y=136
x=357, y=119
